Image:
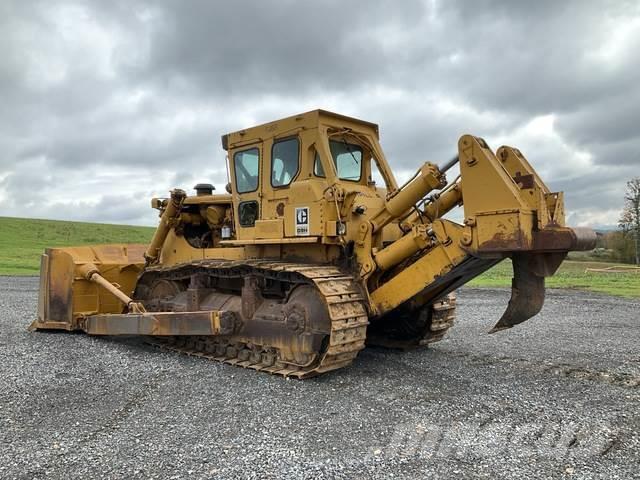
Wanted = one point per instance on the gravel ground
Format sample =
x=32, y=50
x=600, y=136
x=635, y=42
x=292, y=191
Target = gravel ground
x=556, y=397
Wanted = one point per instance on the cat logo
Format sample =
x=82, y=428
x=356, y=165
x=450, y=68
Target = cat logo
x=302, y=221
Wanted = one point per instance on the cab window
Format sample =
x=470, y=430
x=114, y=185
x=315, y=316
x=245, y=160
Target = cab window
x=246, y=170
x=376, y=177
x=284, y=161
x=318, y=171
x=347, y=158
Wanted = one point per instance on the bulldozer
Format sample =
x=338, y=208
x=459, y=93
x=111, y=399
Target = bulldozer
x=305, y=259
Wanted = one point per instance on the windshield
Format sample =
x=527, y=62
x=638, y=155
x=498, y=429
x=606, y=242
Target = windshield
x=347, y=158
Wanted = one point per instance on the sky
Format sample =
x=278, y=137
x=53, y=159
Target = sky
x=107, y=104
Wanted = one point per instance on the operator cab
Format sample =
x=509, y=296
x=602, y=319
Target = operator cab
x=284, y=175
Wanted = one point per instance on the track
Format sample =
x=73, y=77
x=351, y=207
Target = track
x=342, y=297
x=343, y=300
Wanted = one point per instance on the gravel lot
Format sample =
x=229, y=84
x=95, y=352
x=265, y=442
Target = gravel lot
x=556, y=397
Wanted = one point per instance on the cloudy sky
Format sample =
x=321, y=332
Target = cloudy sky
x=106, y=104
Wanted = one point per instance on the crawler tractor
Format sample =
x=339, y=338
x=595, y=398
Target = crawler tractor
x=307, y=258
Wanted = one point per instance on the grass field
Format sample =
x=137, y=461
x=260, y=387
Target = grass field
x=22, y=240
x=571, y=274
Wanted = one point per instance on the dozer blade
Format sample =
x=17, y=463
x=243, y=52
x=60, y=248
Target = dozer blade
x=527, y=286
x=67, y=296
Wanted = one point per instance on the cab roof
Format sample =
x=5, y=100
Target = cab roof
x=290, y=125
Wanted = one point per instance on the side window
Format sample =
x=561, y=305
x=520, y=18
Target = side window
x=318, y=171
x=245, y=166
x=284, y=161
x=376, y=176
x=248, y=213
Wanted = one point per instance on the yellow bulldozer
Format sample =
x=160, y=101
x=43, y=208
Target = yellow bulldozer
x=305, y=258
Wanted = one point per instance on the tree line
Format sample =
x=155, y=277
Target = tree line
x=624, y=245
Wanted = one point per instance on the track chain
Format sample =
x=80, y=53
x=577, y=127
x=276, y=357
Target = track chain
x=342, y=295
x=442, y=319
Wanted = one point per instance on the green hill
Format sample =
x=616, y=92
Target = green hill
x=572, y=274
x=22, y=240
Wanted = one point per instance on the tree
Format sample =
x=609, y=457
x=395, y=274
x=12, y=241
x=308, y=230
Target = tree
x=619, y=247
x=630, y=219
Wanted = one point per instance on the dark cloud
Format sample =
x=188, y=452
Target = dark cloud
x=102, y=99
x=607, y=126
x=244, y=47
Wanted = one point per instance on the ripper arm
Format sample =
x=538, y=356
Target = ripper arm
x=508, y=212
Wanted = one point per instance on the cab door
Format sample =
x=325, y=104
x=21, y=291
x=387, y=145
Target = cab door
x=247, y=168
x=281, y=170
